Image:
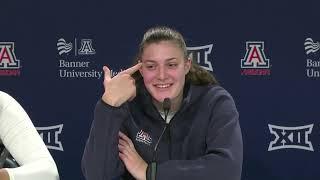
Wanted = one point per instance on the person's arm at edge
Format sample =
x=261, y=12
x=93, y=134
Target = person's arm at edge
x=22, y=140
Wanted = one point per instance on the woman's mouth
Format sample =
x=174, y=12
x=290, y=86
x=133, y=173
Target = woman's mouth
x=162, y=85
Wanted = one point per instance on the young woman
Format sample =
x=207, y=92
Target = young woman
x=22, y=140
x=136, y=135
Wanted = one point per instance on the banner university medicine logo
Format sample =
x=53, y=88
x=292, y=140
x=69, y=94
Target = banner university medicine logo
x=255, y=61
x=50, y=136
x=313, y=58
x=78, y=63
x=85, y=47
x=200, y=55
x=9, y=64
x=143, y=137
x=290, y=137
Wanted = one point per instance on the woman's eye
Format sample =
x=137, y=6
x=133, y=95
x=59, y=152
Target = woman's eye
x=172, y=65
x=150, y=66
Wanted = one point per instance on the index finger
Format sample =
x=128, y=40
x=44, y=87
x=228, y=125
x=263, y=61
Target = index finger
x=132, y=69
x=107, y=73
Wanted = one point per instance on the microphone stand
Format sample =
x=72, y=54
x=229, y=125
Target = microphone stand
x=166, y=108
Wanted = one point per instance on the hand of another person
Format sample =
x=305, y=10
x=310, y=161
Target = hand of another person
x=131, y=159
x=119, y=88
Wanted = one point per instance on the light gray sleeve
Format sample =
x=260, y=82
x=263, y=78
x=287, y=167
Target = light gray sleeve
x=21, y=138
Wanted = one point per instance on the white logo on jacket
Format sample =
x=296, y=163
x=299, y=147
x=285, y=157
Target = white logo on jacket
x=143, y=137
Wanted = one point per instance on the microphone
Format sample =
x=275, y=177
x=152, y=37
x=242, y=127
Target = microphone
x=166, y=105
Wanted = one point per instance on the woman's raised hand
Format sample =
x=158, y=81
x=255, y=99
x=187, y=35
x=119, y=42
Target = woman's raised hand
x=120, y=88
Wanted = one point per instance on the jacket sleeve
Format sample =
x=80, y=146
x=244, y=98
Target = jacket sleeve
x=22, y=140
x=100, y=159
x=224, y=152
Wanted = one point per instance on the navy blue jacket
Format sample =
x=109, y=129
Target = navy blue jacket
x=202, y=141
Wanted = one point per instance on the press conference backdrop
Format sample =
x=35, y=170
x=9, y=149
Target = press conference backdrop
x=265, y=53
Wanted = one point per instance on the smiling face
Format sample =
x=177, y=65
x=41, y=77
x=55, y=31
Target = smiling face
x=163, y=71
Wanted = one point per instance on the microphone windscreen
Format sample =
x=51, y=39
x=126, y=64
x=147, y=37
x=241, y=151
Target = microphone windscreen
x=166, y=104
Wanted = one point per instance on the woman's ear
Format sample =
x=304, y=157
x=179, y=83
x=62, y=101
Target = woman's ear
x=187, y=65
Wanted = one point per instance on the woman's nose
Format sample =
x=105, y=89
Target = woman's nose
x=162, y=74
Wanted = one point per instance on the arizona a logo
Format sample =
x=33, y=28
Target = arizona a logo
x=9, y=64
x=255, y=61
x=86, y=47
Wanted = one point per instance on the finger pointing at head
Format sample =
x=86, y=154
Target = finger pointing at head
x=107, y=73
x=132, y=69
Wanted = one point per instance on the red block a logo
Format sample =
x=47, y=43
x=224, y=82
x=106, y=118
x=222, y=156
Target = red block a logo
x=255, y=56
x=9, y=64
